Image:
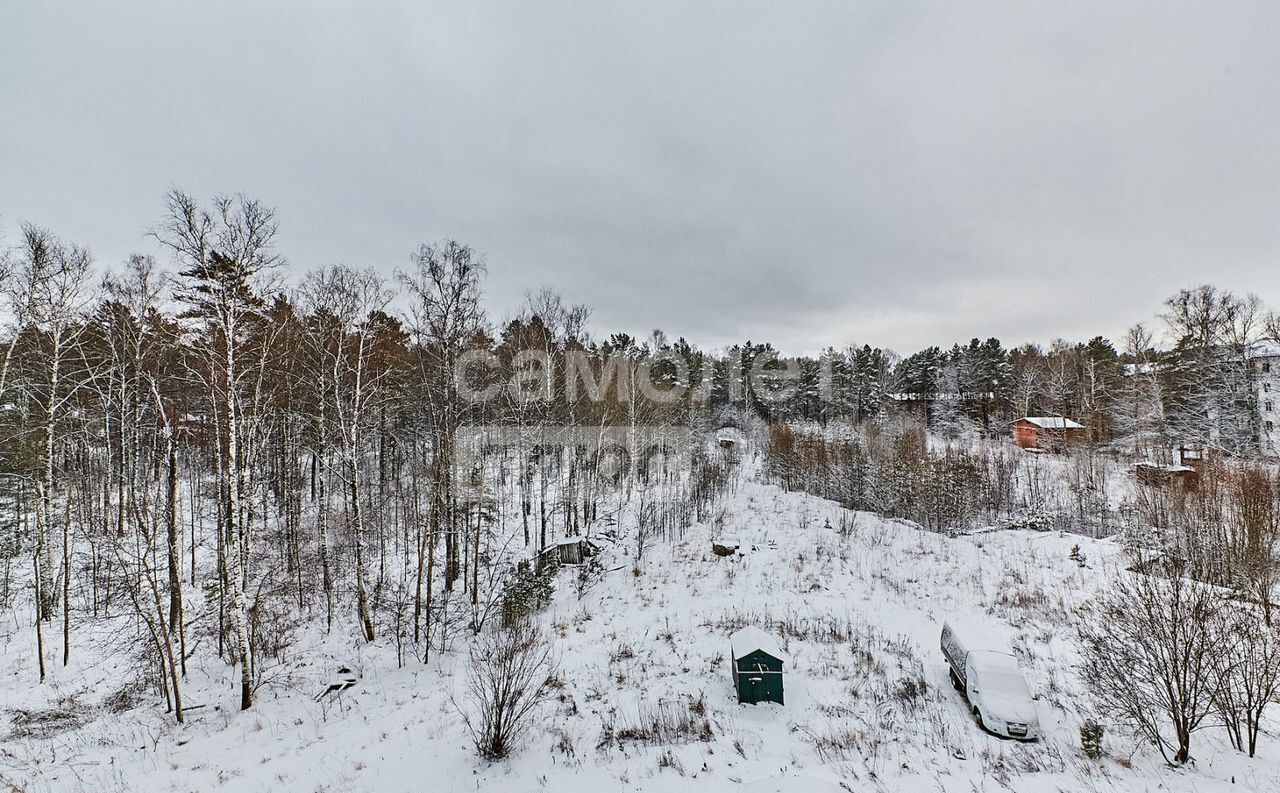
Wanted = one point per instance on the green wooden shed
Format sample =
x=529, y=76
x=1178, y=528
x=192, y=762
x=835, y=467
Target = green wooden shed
x=757, y=666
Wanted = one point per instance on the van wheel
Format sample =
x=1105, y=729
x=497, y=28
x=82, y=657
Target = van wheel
x=955, y=681
x=977, y=716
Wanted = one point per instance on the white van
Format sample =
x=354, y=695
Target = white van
x=994, y=687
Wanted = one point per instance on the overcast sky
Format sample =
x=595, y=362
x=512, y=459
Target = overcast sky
x=895, y=173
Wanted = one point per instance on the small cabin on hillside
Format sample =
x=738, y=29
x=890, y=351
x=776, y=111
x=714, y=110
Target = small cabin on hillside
x=1046, y=433
x=729, y=439
x=757, y=666
x=571, y=550
x=1177, y=464
x=1156, y=475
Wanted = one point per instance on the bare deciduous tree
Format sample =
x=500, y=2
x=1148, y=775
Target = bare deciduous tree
x=1247, y=672
x=1148, y=651
x=509, y=677
x=445, y=316
x=343, y=302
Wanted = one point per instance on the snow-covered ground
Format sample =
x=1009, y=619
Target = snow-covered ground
x=869, y=706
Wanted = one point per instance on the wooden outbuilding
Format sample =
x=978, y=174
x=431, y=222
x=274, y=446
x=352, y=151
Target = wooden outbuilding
x=757, y=665
x=1046, y=433
x=571, y=550
x=729, y=439
x=725, y=546
x=1156, y=475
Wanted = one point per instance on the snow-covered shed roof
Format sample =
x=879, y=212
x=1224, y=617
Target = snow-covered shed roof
x=749, y=639
x=1052, y=422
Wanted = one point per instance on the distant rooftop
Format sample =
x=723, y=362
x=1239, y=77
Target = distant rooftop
x=1052, y=422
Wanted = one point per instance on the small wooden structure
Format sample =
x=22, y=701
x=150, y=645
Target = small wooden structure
x=1180, y=464
x=571, y=550
x=1189, y=456
x=725, y=546
x=756, y=664
x=1047, y=433
x=729, y=439
x=343, y=680
x=1156, y=475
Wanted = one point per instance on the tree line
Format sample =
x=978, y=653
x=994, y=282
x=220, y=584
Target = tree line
x=219, y=455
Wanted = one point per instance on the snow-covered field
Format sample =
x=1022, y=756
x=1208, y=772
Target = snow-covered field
x=869, y=706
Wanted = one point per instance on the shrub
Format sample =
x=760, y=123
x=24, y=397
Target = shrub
x=510, y=676
x=1091, y=739
x=1077, y=556
x=666, y=722
x=528, y=590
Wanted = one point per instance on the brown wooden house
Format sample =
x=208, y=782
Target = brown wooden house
x=1047, y=433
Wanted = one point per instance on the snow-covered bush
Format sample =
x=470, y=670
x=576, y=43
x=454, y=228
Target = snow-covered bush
x=1091, y=739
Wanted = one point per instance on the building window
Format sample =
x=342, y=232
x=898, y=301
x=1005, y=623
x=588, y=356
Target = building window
x=1270, y=406
x=1266, y=366
x=1266, y=388
x=1270, y=426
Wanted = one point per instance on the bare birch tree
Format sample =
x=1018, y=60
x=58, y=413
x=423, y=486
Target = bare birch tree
x=224, y=250
x=52, y=278
x=342, y=303
x=445, y=316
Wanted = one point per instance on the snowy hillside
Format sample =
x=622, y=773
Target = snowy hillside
x=868, y=707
